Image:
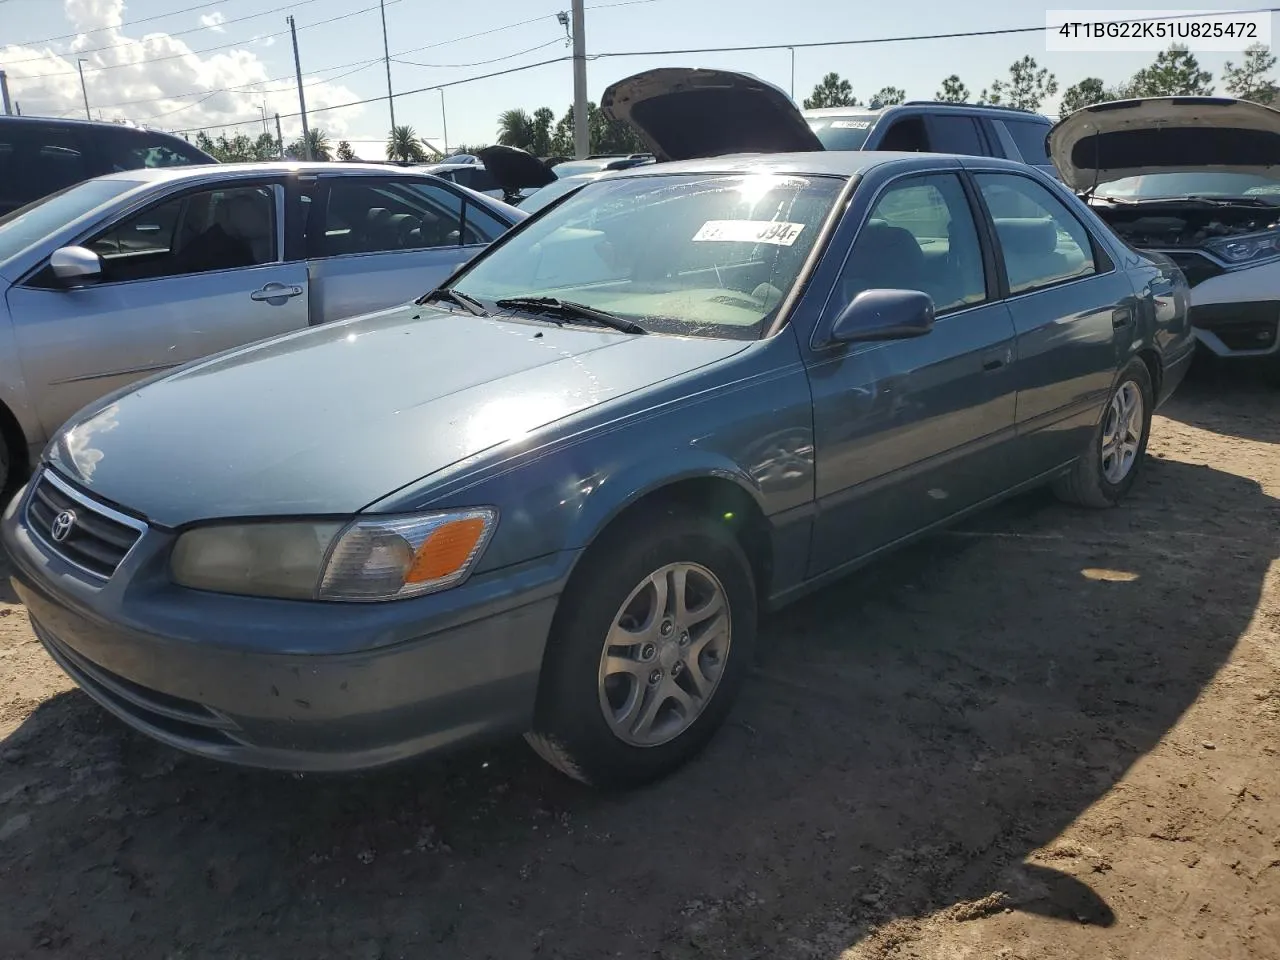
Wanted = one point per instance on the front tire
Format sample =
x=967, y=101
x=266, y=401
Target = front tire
x=649, y=649
x=1107, y=470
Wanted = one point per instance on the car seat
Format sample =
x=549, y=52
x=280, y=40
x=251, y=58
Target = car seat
x=1030, y=246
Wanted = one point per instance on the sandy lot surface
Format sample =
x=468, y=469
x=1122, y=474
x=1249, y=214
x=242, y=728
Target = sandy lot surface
x=1049, y=734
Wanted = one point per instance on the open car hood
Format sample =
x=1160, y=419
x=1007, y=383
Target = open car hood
x=1132, y=138
x=684, y=113
x=515, y=169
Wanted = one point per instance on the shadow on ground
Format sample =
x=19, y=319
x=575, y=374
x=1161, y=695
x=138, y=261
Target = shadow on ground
x=911, y=738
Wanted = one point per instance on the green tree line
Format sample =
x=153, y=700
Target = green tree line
x=1027, y=85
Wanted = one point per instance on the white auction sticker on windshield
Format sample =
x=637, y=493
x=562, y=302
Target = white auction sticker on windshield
x=850, y=124
x=777, y=232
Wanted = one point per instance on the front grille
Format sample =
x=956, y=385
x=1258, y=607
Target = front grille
x=1196, y=267
x=98, y=538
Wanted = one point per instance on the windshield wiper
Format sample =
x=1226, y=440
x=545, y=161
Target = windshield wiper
x=1197, y=198
x=570, y=311
x=470, y=304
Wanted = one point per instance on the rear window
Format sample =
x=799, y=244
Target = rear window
x=1029, y=135
x=847, y=132
x=955, y=134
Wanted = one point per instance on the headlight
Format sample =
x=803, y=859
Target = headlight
x=371, y=558
x=1247, y=248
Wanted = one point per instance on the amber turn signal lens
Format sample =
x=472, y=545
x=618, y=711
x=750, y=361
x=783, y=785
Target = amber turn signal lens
x=446, y=550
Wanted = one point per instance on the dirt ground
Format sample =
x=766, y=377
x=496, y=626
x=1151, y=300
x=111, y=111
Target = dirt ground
x=1049, y=734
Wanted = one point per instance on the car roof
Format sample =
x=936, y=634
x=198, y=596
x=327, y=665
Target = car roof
x=270, y=167
x=831, y=163
x=993, y=108
x=93, y=124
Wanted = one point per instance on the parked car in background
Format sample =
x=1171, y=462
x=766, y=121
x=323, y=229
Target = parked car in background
x=473, y=176
x=122, y=276
x=39, y=156
x=1195, y=179
x=554, y=496
x=520, y=175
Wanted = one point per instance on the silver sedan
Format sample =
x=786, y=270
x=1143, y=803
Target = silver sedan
x=120, y=277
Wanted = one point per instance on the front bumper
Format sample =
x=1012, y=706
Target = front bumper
x=290, y=685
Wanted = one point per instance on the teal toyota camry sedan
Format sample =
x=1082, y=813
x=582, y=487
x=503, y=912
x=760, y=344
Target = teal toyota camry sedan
x=553, y=496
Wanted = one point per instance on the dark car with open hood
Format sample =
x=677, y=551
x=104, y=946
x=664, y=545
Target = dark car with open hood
x=1196, y=179
x=554, y=495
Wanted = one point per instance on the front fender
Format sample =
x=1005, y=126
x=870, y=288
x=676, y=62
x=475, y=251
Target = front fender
x=753, y=428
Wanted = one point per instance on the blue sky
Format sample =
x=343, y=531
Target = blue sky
x=42, y=76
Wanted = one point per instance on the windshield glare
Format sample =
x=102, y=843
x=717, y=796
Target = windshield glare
x=544, y=196
x=31, y=224
x=1153, y=186
x=847, y=132
x=690, y=254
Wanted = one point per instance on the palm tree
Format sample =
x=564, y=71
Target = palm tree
x=320, y=149
x=405, y=144
x=516, y=129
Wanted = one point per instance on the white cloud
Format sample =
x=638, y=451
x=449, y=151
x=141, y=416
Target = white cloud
x=213, y=21
x=184, y=89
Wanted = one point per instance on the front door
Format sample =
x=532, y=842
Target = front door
x=910, y=432
x=185, y=277
x=378, y=242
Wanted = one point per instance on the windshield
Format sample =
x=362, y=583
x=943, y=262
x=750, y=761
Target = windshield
x=1154, y=186
x=692, y=254
x=846, y=132
x=544, y=196
x=32, y=223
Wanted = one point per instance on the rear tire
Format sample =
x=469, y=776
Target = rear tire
x=1107, y=470
x=634, y=683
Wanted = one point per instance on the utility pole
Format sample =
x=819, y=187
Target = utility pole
x=302, y=100
x=581, y=132
x=279, y=137
x=84, y=91
x=444, y=120
x=4, y=92
x=793, y=72
x=386, y=59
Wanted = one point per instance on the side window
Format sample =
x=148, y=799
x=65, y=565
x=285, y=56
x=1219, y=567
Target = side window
x=1029, y=136
x=920, y=236
x=955, y=134
x=196, y=233
x=37, y=160
x=483, y=180
x=482, y=226
x=906, y=134
x=133, y=151
x=364, y=215
x=1041, y=241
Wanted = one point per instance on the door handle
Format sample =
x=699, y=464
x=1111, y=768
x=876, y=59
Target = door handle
x=1120, y=317
x=994, y=361
x=276, y=291
x=147, y=228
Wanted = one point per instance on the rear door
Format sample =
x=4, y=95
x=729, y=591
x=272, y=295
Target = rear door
x=1074, y=313
x=374, y=242
x=185, y=276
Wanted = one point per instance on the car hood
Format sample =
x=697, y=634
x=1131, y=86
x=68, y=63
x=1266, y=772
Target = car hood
x=515, y=169
x=1132, y=138
x=331, y=419
x=684, y=113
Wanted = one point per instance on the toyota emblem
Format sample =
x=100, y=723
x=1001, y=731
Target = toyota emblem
x=62, y=525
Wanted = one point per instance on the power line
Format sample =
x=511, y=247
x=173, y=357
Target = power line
x=675, y=52
x=175, y=33
x=484, y=63
x=224, y=46
x=966, y=34
x=358, y=64
x=125, y=23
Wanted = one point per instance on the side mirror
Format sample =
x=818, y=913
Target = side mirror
x=884, y=315
x=75, y=263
